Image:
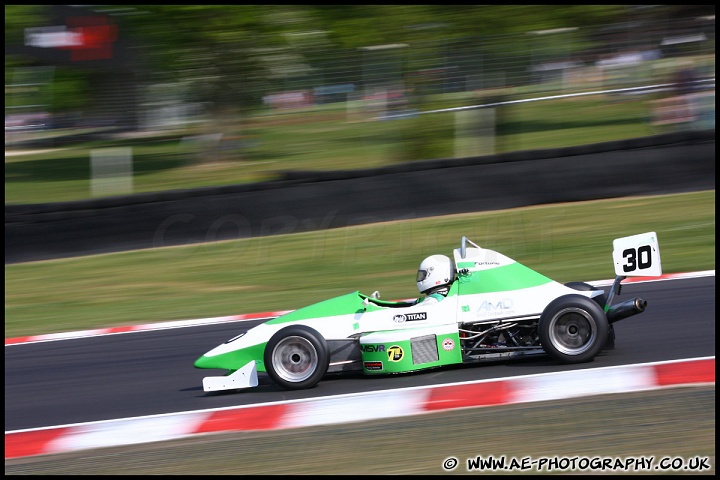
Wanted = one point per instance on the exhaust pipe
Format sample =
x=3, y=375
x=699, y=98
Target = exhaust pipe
x=626, y=309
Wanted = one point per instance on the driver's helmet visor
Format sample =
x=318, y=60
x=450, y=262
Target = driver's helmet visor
x=422, y=275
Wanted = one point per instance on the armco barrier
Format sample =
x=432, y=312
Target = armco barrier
x=305, y=201
x=360, y=407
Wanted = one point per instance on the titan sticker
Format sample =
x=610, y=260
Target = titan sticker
x=410, y=317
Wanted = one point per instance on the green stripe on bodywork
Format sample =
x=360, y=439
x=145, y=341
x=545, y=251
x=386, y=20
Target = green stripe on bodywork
x=345, y=304
x=509, y=277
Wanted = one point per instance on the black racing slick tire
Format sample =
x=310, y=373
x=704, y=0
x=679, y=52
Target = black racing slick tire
x=296, y=357
x=601, y=300
x=573, y=329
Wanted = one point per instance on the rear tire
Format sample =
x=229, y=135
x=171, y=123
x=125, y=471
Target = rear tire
x=296, y=357
x=601, y=300
x=573, y=329
x=610, y=342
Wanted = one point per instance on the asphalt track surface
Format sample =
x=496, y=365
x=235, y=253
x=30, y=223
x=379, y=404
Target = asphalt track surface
x=146, y=373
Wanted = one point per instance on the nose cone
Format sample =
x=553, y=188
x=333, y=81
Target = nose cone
x=206, y=362
x=223, y=359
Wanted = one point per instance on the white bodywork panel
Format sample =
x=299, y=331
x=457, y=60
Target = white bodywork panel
x=244, y=378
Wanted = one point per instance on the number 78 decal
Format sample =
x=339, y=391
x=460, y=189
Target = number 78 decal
x=637, y=255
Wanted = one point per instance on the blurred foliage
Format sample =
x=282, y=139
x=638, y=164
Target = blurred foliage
x=229, y=51
x=205, y=70
x=17, y=18
x=70, y=88
x=425, y=137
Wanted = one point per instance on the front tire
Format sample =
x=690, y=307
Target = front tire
x=573, y=329
x=296, y=357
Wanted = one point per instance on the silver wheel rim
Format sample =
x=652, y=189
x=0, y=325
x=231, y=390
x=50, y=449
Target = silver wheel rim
x=295, y=359
x=572, y=331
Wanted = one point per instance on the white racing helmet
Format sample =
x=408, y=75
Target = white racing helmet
x=435, y=271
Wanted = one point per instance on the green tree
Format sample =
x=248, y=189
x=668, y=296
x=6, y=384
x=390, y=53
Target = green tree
x=228, y=55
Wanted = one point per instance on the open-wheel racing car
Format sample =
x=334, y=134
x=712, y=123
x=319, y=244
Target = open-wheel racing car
x=495, y=308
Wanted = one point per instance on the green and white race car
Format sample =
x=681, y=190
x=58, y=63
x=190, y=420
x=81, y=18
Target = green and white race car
x=495, y=308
